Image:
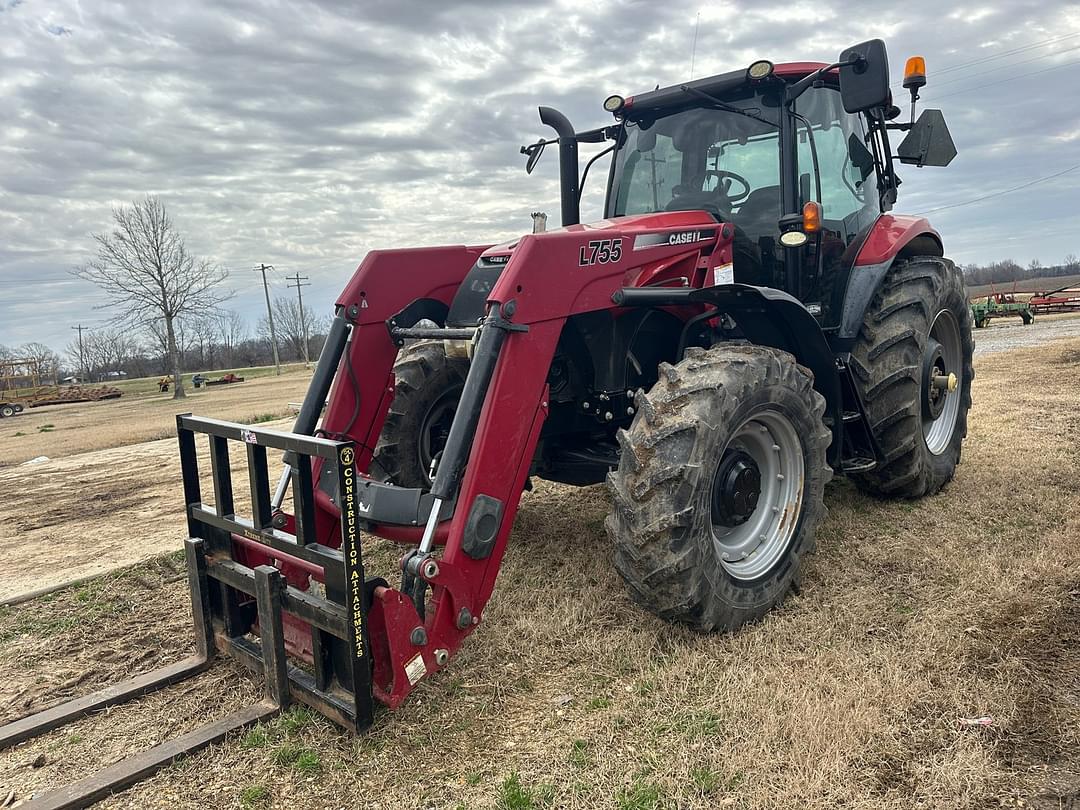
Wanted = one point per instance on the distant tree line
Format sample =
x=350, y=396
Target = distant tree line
x=204, y=343
x=1007, y=270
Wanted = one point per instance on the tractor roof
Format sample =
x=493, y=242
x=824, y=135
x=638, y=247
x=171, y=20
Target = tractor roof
x=713, y=85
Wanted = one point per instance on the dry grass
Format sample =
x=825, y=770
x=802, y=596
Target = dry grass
x=63, y=430
x=912, y=616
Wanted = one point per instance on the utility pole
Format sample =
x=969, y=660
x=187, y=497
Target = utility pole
x=303, y=321
x=82, y=356
x=262, y=268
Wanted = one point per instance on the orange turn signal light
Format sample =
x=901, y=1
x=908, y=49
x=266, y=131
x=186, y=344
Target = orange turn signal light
x=811, y=217
x=915, y=72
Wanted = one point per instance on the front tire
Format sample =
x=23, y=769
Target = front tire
x=427, y=388
x=917, y=331
x=720, y=484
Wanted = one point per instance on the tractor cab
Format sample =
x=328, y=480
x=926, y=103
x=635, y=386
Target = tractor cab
x=795, y=156
x=725, y=158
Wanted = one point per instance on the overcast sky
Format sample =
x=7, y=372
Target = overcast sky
x=305, y=134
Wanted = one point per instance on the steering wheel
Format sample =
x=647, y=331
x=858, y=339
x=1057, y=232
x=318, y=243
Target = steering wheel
x=719, y=200
x=724, y=180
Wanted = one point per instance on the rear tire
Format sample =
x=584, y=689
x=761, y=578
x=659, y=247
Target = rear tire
x=7, y=410
x=921, y=305
x=673, y=520
x=427, y=388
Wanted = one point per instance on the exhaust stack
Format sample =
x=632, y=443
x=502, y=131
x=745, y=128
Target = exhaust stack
x=568, y=163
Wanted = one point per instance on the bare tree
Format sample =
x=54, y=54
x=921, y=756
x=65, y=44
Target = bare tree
x=290, y=327
x=231, y=332
x=50, y=362
x=159, y=338
x=146, y=269
x=104, y=351
x=1072, y=264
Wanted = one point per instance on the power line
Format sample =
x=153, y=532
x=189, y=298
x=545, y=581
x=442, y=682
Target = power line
x=262, y=268
x=1009, y=66
x=82, y=355
x=303, y=321
x=1002, y=191
x=983, y=88
x=1001, y=55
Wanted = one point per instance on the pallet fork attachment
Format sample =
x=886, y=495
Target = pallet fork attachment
x=238, y=609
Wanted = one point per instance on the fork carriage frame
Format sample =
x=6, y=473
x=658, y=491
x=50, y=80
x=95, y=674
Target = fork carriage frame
x=240, y=609
x=245, y=597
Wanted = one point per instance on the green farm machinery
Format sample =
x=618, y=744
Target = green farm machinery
x=998, y=305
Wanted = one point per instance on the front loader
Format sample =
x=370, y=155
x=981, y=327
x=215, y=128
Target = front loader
x=747, y=319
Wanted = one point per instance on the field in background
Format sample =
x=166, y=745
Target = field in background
x=140, y=386
x=64, y=430
x=1030, y=285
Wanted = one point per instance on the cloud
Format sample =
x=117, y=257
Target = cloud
x=303, y=135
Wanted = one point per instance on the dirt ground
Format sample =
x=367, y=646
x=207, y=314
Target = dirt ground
x=912, y=617
x=108, y=495
x=59, y=431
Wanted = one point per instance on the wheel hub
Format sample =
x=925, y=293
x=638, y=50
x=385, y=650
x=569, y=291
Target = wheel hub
x=943, y=365
x=435, y=430
x=934, y=370
x=736, y=488
x=757, y=494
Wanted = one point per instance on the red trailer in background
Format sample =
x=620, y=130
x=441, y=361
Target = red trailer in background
x=1063, y=299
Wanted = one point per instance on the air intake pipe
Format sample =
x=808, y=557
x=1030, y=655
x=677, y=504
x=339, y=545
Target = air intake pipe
x=568, y=163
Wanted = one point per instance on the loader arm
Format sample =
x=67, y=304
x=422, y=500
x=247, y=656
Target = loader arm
x=548, y=278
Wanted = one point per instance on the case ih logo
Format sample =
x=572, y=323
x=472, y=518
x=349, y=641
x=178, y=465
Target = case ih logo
x=649, y=240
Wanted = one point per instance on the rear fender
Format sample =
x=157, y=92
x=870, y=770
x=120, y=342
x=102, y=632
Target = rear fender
x=771, y=317
x=891, y=237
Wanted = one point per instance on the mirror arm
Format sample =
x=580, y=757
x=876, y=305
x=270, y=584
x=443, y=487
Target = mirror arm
x=795, y=90
x=528, y=148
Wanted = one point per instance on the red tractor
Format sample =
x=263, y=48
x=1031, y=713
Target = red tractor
x=745, y=320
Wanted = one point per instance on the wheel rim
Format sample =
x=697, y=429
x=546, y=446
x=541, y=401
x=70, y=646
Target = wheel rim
x=764, y=529
x=436, y=428
x=939, y=419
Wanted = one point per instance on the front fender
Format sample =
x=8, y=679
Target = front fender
x=772, y=317
x=888, y=236
x=891, y=236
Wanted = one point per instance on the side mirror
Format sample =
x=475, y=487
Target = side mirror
x=928, y=142
x=534, y=151
x=865, y=83
x=861, y=157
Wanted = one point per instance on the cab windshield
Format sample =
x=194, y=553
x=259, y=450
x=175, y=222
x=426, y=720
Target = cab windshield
x=726, y=163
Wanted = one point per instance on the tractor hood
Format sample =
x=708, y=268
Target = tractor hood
x=633, y=225
x=640, y=232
